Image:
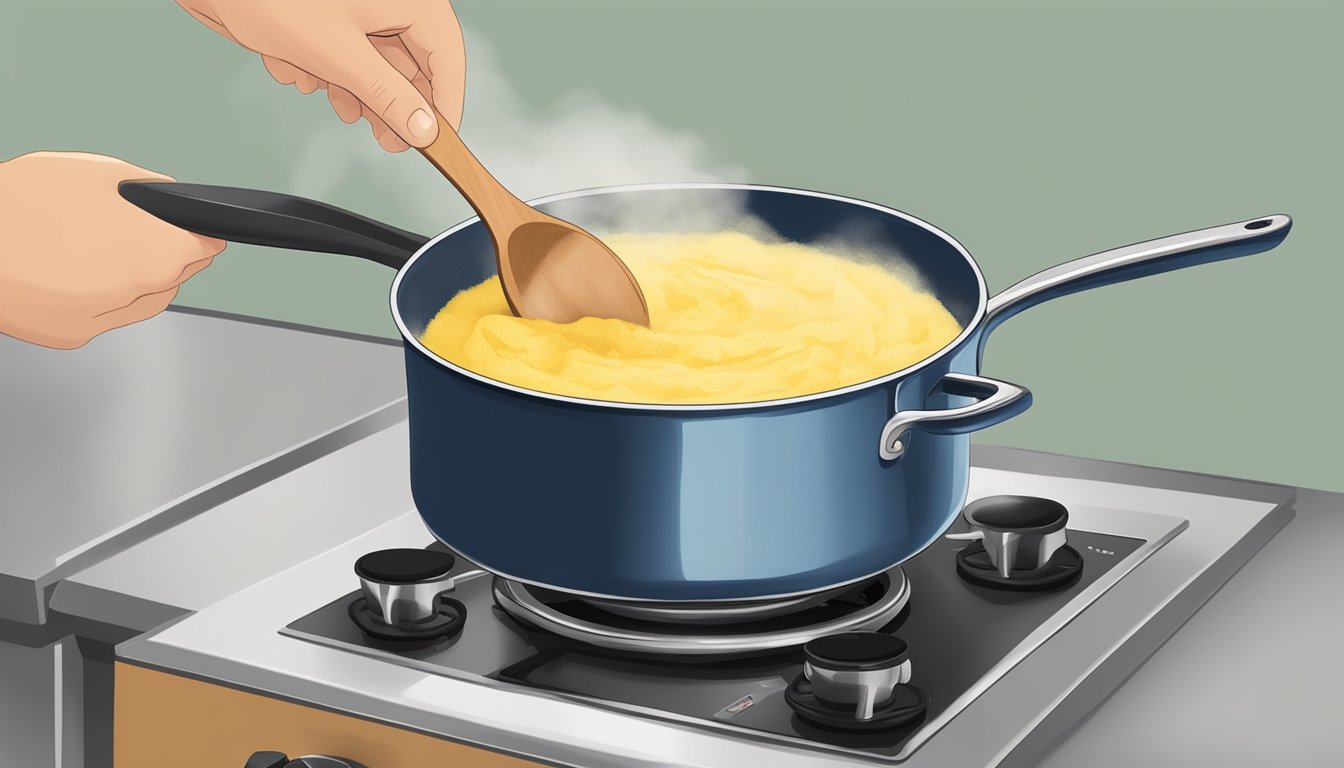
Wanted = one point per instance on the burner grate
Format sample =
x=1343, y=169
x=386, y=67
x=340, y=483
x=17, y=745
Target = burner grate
x=871, y=605
x=718, y=612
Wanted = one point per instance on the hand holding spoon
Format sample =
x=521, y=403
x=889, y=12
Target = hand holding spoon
x=550, y=269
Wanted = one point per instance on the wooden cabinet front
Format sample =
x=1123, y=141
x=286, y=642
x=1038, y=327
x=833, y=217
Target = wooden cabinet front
x=168, y=721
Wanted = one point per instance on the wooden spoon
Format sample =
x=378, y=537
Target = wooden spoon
x=550, y=269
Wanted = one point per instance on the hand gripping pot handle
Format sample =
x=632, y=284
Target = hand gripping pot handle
x=997, y=401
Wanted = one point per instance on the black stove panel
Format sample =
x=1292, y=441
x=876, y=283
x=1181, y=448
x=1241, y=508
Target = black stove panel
x=957, y=632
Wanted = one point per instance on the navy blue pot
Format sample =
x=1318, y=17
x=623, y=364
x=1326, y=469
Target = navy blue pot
x=691, y=503
x=734, y=502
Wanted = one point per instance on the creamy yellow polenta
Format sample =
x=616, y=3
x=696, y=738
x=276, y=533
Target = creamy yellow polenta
x=734, y=320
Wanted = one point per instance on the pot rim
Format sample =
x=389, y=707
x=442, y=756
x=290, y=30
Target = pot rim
x=971, y=327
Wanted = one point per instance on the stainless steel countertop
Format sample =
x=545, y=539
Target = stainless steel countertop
x=1247, y=682
x=244, y=540
x=148, y=425
x=1253, y=679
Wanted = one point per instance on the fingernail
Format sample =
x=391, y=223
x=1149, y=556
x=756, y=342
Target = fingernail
x=420, y=123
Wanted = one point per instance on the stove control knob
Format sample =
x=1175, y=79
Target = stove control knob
x=279, y=760
x=1018, y=532
x=322, y=761
x=403, y=585
x=856, y=668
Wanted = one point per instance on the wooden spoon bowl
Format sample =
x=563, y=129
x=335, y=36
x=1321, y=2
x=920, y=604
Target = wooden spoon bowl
x=549, y=268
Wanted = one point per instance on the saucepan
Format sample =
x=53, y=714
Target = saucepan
x=692, y=503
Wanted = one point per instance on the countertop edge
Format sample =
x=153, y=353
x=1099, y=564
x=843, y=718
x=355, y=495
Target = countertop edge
x=1031, y=462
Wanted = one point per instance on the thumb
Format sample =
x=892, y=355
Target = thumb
x=373, y=80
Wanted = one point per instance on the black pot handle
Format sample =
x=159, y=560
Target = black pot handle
x=272, y=219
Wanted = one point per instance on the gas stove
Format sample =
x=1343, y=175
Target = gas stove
x=957, y=635
x=1044, y=596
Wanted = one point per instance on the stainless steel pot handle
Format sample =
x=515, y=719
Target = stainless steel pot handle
x=1138, y=260
x=998, y=401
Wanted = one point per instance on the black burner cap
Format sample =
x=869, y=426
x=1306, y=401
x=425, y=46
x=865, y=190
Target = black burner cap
x=1065, y=566
x=447, y=622
x=906, y=705
x=857, y=651
x=404, y=566
x=1020, y=514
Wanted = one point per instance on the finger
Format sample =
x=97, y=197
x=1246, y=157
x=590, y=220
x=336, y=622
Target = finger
x=175, y=255
x=344, y=102
x=142, y=308
x=387, y=139
x=306, y=83
x=192, y=269
x=362, y=70
x=422, y=85
x=283, y=72
x=394, y=50
x=171, y=253
x=392, y=142
x=435, y=41
x=288, y=74
x=180, y=247
x=210, y=247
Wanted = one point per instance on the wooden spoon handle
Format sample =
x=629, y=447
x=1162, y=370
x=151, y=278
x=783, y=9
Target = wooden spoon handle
x=497, y=207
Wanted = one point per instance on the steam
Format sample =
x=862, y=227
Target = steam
x=861, y=241
x=582, y=142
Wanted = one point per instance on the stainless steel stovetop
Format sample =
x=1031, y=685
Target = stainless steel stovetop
x=962, y=639
x=1006, y=673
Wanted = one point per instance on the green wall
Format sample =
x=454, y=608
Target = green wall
x=1034, y=132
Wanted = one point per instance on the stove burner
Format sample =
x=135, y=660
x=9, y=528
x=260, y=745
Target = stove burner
x=856, y=681
x=697, y=630
x=716, y=612
x=452, y=614
x=1018, y=543
x=906, y=705
x=403, y=596
x=1064, y=567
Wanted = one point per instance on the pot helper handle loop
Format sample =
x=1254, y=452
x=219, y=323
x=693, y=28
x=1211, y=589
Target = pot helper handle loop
x=272, y=219
x=997, y=401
